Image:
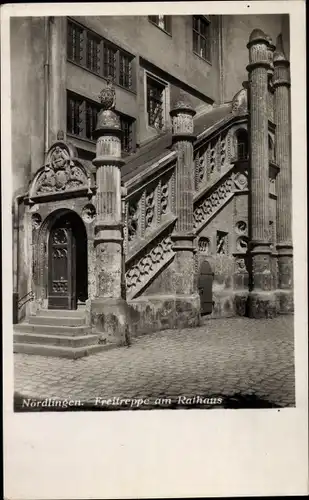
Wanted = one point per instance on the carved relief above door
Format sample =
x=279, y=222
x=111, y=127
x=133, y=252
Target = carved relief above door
x=63, y=172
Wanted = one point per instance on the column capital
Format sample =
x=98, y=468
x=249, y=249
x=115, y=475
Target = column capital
x=281, y=66
x=182, y=120
x=258, y=46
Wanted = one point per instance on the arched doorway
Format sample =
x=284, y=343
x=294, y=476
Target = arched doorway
x=67, y=262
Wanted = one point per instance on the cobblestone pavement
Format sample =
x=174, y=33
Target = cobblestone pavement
x=224, y=357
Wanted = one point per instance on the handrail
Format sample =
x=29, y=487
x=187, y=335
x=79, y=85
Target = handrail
x=28, y=296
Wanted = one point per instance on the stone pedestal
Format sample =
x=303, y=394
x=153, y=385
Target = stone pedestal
x=261, y=302
x=281, y=83
x=108, y=309
x=184, y=270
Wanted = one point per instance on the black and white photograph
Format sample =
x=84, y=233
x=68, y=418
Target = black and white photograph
x=154, y=249
x=153, y=239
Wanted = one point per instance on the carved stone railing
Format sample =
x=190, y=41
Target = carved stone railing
x=149, y=222
x=148, y=207
x=208, y=202
x=147, y=264
x=212, y=157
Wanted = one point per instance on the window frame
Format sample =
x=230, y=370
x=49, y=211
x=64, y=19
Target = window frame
x=103, y=43
x=164, y=86
x=207, y=38
x=242, y=134
x=225, y=238
x=84, y=102
x=167, y=24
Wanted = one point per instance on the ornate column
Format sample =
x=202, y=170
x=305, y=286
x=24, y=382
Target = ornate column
x=261, y=299
x=184, y=272
x=108, y=309
x=281, y=82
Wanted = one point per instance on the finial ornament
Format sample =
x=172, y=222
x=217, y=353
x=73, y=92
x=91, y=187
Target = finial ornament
x=240, y=101
x=182, y=101
x=108, y=95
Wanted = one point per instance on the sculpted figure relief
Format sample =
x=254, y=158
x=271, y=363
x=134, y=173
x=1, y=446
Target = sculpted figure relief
x=60, y=173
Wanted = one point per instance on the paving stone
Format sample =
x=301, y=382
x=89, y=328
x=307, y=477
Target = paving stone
x=226, y=356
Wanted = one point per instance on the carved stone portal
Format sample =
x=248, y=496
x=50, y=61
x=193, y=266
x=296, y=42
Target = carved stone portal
x=61, y=173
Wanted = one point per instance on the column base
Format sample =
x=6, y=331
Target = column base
x=285, y=301
x=110, y=319
x=262, y=304
x=161, y=312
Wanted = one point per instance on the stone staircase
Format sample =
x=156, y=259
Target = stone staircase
x=59, y=333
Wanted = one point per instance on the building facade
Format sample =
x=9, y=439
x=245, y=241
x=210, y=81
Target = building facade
x=152, y=175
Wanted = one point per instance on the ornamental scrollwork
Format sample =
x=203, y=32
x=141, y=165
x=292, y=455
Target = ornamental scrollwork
x=241, y=181
x=164, y=198
x=204, y=245
x=59, y=237
x=88, y=213
x=36, y=221
x=60, y=286
x=61, y=173
x=149, y=208
x=200, y=166
x=242, y=244
x=107, y=96
x=241, y=227
x=209, y=205
x=144, y=269
x=222, y=151
x=132, y=219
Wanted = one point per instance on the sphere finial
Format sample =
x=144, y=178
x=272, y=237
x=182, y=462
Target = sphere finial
x=108, y=95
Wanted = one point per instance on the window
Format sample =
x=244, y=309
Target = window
x=74, y=115
x=201, y=37
x=127, y=134
x=155, y=92
x=163, y=22
x=75, y=42
x=125, y=71
x=222, y=243
x=92, y=111
x=271, y=149
x=109, y=65
x=242, y=145
x=93, y=52
x=82, y=116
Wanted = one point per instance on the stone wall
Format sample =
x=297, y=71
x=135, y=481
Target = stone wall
x=236, y=29
x=172, y=54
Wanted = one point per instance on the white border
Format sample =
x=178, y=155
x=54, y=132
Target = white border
x=162, y=453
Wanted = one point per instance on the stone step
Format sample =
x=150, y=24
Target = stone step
x=56, y=340
x=57, y=320
x=62, y=312
x=60, y=351
x=51, y=329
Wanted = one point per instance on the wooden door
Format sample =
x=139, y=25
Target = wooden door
x=205, y=282
x=62, y=267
